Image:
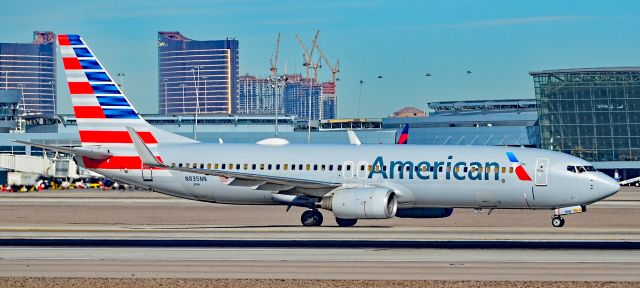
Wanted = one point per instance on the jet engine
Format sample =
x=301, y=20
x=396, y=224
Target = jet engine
x=362, y=203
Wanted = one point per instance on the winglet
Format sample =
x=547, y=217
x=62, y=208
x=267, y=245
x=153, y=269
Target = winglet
x=145, y=154
x=353, y=138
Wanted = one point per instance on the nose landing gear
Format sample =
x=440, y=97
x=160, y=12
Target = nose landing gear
x=311, y=218
x=557, y=221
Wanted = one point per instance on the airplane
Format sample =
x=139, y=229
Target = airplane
x=404, y=136
x=352, y=181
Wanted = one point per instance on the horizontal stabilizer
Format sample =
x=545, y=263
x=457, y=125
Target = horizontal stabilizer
x=98, y=155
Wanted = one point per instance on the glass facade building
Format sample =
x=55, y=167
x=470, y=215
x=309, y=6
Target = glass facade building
x=31, y=68
x=296, y=97
x=200, y=75
x=591, y=113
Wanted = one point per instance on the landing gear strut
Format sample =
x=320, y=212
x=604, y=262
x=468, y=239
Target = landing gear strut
x=311, y=218
x=346, y=222
x=557, y=221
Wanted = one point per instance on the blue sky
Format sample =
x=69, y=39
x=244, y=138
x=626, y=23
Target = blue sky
x=499, y=41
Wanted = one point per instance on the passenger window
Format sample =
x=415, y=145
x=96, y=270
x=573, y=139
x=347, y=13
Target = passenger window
x=369, y=168
x=424, y=168
x=215, y=166
x=457, y=169
x=269, y=167
x=330, y=167
x=277, y=166
x=195, y=165
x=285, y=167
x=261, y=166
x=504, y=170
x=348, y=167
x=322, y=167
x=361, y=167
x=571, y=168
x=408, y=168
x=253, y=166
x=431, y=169
x=224, y=166
x=209, y=166
x=230, y=166
x=339, y=167
x=308, y=167
x=237, y=166
x=180, y=165
x=173, y=164
x=440, y=169
x=315, y=167
x=510, y=169
x=293, y=166
x=246, y=166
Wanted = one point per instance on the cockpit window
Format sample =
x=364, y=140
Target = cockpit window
x=571, y=168
x=581, y=169
x=590, y=168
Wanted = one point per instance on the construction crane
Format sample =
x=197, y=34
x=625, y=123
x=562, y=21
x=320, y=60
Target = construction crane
x=274, y=63
x=334, y=69
x=308, y=55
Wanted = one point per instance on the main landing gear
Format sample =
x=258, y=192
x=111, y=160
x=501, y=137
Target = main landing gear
x=311, y=218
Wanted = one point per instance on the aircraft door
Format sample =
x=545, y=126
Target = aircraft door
x=147, y=173
x=542, y=171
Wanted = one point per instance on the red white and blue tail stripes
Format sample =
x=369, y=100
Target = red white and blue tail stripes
x=102, y=111
x=404, y=136
x=520, y=172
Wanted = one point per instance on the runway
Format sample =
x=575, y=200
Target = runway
x=148, y=235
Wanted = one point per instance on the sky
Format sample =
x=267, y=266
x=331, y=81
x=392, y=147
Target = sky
x=499, y=41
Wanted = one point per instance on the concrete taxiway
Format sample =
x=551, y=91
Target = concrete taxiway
x=148, y=235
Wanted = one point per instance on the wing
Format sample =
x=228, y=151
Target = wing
x=257, y=181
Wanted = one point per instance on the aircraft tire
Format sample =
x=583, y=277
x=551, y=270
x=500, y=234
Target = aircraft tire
x=557, y=222
x=311, y=218
x=346, y=222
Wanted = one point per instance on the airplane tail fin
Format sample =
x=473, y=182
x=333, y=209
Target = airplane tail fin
x=102, y=111
x=404, y=136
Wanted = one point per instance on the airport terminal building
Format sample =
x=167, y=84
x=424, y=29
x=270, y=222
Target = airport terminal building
x=592, y=113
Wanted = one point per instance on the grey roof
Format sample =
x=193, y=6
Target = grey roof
x=594, y=69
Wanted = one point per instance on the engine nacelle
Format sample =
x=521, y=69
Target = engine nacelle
x=362, y=203
x=424, y=212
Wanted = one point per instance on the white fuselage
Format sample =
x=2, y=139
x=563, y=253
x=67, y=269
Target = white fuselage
x=447, y=176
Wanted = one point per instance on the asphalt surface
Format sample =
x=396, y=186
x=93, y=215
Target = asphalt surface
x=147, y=235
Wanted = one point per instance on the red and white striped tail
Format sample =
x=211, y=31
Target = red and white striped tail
x=102, y=111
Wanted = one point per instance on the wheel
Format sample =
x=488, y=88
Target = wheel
x=557, y=222
x=311, y=218
x=346, y=222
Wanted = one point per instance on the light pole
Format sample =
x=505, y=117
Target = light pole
x=380, y=77
x=24, y=110
x=53, y=97
x=359, y=96
x=278, y=82
x=197, y=80
x=121, y=75
x=182, y=85
x=426, y=92
x=309, y=112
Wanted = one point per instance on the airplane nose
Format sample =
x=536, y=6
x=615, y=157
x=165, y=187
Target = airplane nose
x=606, y=186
